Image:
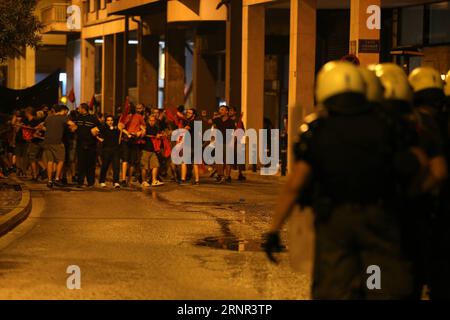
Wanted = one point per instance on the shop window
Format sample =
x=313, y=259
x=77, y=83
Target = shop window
x=439, y=24
x=411, y=25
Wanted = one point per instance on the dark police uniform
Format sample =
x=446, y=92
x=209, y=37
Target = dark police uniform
x=440, y=276
x=352, y=191
x=412, y=204
x=433, y=118
x=86, y=148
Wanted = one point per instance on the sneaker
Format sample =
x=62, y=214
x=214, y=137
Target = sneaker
x=58, y=183
x=182, y=183
x=103, y=185
x=123, y=184
x=213, y=173
x=196, y=183
x=220, y=180
x=157, y=183
x=50, y=184
x=145, y=184
x=116, y=185
x=228, y=179
x=241, y=177
x=43, y=174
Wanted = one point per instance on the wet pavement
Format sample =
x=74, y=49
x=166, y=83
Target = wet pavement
x=170, y=242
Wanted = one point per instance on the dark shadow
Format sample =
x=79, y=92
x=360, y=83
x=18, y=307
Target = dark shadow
x=193, y=5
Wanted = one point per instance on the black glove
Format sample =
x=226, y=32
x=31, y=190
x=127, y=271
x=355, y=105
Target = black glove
x=272, y=243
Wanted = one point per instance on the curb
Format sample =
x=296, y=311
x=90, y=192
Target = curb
x=13, y=218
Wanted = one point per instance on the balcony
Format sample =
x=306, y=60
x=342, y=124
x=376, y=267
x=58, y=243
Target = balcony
x=195, y=10
x=55, y=18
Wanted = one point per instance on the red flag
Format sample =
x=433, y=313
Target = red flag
x=171, y=116
x=71, y=96
x=167, y=147
x=92, y=103
x=125, y=112
x=156, y=144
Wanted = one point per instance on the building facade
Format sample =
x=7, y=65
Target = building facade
x=258, y=55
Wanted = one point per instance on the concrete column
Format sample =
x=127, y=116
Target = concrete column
x=119, y=99
x=87, y=70
x=233, y=62
x=125, y=57
x=77, y=70
x=253, y=33
x=302, y=52
x=147, y=69
x=22, y=70
x=73, y=69
x=174, y=68
x=364, y=30
x=108, y=74
x=204, y=82
x=70, y=57
x=30, y=67
x=12, y=74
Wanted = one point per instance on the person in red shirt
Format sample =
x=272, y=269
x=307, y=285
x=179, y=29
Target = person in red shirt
x=133, y=129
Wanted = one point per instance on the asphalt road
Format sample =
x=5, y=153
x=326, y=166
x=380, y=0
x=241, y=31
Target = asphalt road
x=171, y=243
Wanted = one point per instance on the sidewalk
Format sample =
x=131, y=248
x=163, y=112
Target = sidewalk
x=268, y=178
x=15, y=204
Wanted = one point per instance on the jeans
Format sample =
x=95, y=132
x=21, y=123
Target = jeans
x=86, y=164
x=110, y=156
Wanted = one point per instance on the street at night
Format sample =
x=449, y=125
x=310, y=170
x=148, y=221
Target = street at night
x=148, y=245
x=244, y=156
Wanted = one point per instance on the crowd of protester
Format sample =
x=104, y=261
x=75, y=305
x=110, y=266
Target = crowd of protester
x=66, y=147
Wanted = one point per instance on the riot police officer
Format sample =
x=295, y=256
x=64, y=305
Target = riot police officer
x=344, y=167
x=412, y=198
x=374, y=88
x=447, y=85
x=430, y=106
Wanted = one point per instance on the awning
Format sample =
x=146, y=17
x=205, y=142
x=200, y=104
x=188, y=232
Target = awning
x=406, y=51
x=130, y=7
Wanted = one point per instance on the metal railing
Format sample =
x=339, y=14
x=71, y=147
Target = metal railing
x=56, y=12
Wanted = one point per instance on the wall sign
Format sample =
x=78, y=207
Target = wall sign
x=368, y=46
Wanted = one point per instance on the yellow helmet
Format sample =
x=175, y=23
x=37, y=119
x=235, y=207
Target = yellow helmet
x=425, y=78
x=338, y=77
x=394, y=81
x=374, y=89
x=447, y=84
